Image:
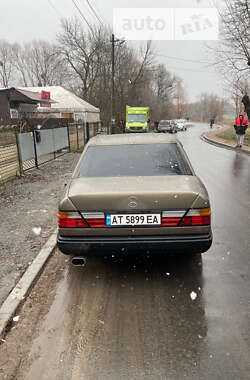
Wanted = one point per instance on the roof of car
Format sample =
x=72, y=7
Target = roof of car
x=128, y=138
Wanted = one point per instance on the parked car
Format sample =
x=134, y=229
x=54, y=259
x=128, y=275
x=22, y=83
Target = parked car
x=181, y=124
x=139, y=192
x=167, y=126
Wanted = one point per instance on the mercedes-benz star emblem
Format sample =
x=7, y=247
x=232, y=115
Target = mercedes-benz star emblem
x=132, y=202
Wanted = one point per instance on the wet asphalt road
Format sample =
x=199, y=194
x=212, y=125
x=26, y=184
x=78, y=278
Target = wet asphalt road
x=135, y=319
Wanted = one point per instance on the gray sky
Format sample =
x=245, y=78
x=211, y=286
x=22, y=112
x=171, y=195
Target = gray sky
x=26, y=20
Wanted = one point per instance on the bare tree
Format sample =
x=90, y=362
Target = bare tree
x=6, y=63
x=39, y=64
x=239, y=89
x=20, y=64
x=233, y=54
x=180, y=97
x=235, y=34
x=164, y=83
x=80, y=51
x=88, y=57
x=208, y=107
x=138, y=80
x=141, y=63
x=132, y=76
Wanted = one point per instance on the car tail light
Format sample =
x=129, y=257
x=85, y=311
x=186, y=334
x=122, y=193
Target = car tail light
x=70, y=219
x=197, y=217
x=172, y=218
x=94, y=219
x=85, y=219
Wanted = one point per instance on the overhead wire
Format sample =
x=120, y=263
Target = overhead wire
x=180, y=59
x=188, y=60
x=100, y=20
x=95, y=12
x=82, y=15
x=58, y=13
x=101, y=15
x=187, y=69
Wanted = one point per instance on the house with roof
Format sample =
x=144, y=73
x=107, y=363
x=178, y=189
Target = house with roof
x=15, y=102
x=65, y=105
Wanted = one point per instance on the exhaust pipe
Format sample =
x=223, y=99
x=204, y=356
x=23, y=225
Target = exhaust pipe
x=78, y=261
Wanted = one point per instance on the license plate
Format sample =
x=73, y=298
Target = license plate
x=133, y=219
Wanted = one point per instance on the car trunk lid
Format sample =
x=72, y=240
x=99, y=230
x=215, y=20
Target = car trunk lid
x=134, y=193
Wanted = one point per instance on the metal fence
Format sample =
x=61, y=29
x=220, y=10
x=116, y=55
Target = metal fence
x=79, y=134
x=40, y=146
x=23, y=151
x=76, y=137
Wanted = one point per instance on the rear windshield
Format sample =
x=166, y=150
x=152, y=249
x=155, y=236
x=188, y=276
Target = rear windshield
x=164, y=123
x=133, y=160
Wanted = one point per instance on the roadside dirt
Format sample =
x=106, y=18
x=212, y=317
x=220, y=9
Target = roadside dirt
x=15, y=346
x=28, y=208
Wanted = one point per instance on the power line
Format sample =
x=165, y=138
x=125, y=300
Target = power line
x=59, y=15
x=186, y=69
x=94, y=12
x=82, y=15
x=181, y=59
x=103, y=18
x=186, y=60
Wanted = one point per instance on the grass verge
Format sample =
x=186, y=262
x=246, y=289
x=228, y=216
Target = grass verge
x=230, y=136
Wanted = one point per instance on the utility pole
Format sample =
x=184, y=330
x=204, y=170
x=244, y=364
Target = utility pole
x=113, y=84
x=112, y=108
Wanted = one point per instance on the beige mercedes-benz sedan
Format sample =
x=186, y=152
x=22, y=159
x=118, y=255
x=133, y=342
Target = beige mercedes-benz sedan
x=136, y=191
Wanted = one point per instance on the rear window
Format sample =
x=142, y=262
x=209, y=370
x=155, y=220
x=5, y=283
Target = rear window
x=164, y=123
x=133, y=160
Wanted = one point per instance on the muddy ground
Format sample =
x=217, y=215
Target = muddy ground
x=15, y=346
x=25, y=203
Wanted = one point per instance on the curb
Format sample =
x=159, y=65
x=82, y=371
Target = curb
x=18, y=294
x=222, y=145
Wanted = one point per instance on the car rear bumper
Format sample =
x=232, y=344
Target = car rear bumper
x=74, y=245
x=167, y=130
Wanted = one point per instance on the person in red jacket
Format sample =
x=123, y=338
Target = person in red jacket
x=240, y=126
